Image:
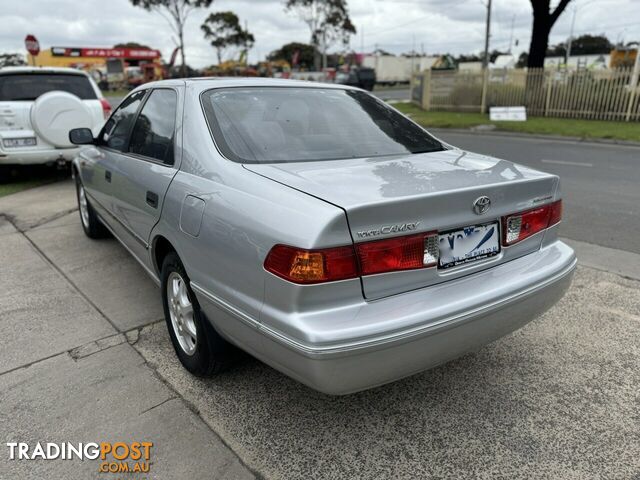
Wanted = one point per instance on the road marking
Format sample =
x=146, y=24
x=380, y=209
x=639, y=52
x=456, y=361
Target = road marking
x=566, y=162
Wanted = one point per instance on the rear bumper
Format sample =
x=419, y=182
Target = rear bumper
x=438, y=324
x=36, y=157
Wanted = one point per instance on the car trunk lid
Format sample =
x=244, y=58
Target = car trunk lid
x=394, y=196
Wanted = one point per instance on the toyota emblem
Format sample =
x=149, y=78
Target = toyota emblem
x=481, y=205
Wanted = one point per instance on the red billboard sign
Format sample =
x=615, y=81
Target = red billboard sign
x=124, y=53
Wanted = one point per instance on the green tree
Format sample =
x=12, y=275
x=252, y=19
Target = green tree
x=175, y=12
x=544, y=17
x=328, y=22
x=306, y=55
x=131, y=45
x=223, y=30
x=11, y=60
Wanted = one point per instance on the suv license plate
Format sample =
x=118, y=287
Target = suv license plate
x=19, y=142
x=468, y=244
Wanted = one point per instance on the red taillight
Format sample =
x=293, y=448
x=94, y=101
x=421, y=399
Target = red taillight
x=401, y=253
x=106, y=108
x=312, y=266
x=325, y=265
x=519, y=226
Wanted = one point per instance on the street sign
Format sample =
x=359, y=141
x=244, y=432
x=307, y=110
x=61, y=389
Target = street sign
x=508, y=114
x=33, y=47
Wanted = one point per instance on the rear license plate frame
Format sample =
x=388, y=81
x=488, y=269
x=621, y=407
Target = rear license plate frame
x=19, y=142
x=476, y=258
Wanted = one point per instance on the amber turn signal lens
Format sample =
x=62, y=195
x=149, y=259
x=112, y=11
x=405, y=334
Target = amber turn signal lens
x=312, y=266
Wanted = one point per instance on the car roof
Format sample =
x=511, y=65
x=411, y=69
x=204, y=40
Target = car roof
x=29, y=69
x=205, y=83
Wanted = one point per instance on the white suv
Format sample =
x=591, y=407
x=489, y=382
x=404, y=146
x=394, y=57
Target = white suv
x=38, y=107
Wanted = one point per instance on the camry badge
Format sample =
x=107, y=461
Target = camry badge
x=481, y=205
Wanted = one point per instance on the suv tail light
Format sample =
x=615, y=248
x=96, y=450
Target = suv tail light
x=106, y=108
x=519, y=226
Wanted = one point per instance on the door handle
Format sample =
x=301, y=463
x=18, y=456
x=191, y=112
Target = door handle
x=152, y=199
x=107, y=176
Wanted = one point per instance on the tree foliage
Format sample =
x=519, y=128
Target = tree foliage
x=583, y=45
x=223, y=30
x=306, y=55
x=131, y=45
x=544, y=17
x=11, y=60
x=175, y=12
x=328, y=21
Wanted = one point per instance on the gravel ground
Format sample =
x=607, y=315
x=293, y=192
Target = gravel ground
x=558, y=399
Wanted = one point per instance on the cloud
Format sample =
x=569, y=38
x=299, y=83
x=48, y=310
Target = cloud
x=437, y=26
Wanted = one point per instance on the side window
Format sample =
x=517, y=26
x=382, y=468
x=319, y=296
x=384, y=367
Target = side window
x=116, y=130
x=153, y=132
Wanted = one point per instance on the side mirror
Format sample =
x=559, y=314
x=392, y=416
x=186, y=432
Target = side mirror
x=81, y=136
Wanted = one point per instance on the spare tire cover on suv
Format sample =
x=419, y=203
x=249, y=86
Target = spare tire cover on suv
x=53, y=114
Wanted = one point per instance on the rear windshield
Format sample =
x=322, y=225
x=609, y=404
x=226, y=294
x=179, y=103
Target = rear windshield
x=273, y=124
x=30, y=86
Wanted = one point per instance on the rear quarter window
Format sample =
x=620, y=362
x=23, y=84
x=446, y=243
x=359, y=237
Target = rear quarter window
x=25, y=87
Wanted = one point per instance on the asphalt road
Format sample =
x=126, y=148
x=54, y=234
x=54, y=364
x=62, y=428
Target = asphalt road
x=600, y=183
x=401, y=93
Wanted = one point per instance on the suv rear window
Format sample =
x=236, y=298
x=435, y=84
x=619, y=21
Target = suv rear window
x=29, y=86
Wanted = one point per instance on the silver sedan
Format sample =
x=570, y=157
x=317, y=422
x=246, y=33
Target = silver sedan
x=318, y=229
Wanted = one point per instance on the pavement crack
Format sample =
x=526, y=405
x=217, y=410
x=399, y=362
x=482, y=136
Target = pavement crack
x=158, y=405
x=96, y=346
x=48, y=219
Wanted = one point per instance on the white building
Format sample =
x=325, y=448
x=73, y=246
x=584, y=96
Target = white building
x=595, y=61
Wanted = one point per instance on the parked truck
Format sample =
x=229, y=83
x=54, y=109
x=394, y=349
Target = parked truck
x=391, y=69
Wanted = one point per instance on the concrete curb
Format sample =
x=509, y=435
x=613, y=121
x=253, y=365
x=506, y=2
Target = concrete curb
x=619, y=262
x=533, y=136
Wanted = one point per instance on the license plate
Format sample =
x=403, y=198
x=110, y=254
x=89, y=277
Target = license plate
x=19, y=142
x=468, y=244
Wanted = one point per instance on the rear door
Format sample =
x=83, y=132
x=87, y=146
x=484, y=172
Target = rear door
x=145, y=170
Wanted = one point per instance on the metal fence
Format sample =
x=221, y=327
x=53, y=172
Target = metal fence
x=586, y=94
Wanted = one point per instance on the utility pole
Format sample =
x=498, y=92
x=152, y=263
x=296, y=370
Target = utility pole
x=485, y=60
x=413, y=55
x=567, y=54
x=513, y=24
x=487, y=35
x=324, y=50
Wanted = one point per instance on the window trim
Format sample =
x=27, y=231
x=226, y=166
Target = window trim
x=135, y=119
x=137, y=156
x=173, y=137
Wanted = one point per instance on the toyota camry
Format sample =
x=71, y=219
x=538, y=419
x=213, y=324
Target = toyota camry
x=318, y=229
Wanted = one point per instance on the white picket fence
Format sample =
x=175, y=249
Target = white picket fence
x=586, y=94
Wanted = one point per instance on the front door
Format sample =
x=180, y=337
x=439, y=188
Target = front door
x=97, y=178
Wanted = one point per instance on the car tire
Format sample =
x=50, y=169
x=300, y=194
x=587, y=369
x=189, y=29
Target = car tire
x=91, y=224
x=200, y=349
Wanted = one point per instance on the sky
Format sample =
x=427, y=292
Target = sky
x=431, y=26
